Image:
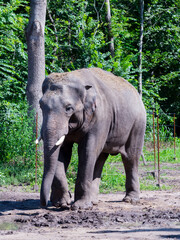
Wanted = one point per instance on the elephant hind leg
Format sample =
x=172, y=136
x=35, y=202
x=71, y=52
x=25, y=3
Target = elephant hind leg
x=97, y=177
x=133, y=149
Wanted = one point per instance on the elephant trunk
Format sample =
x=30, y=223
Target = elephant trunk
x=51, y=153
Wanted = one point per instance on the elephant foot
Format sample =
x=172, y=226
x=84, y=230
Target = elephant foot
x=82, y=204
x=131, y=199
x=63, y=202
x=95, y=201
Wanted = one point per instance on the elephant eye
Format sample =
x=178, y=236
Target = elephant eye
x=53, y=88
x=69, y=109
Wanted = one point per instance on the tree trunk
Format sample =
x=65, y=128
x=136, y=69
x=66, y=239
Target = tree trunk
x=141, y=45
x=36, y=55
x=110, y=35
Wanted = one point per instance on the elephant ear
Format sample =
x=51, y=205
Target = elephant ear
x=90, y=100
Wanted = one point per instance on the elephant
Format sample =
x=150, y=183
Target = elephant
x=103, y=114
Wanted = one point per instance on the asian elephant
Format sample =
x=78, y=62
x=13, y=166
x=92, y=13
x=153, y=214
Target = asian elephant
x=104, y=115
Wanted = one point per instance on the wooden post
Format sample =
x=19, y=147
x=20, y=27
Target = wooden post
x=158, y=151
x=36, y=186
x=154, y=142
x=174, y=136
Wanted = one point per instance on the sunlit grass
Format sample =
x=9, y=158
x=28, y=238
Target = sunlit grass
x=113, y=176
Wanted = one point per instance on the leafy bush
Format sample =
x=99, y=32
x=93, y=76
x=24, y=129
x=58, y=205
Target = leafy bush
x=13, y=55
x=17, y=141
x=19, y=174
x=17, y=134
x=2, y=177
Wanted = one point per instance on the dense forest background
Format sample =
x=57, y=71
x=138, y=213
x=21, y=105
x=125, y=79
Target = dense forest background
x=76, y=36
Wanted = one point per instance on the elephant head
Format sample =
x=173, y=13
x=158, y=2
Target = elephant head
x=66, y=106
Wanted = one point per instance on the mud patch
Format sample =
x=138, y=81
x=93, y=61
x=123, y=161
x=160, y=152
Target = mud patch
x=94, y=219
x=157, y=214
x=156, y=217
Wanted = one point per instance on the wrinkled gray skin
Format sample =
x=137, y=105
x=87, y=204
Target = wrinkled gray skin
x=104, y=115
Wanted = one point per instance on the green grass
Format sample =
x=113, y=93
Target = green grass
x=19, y=174
x=167, y=153
x=9, y=226
x=113, y=176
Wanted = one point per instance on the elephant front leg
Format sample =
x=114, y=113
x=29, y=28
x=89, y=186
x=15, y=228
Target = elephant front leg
x=87, y=159
x=60, y=196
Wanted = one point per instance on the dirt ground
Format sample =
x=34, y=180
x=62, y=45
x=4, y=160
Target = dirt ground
x=157, y=216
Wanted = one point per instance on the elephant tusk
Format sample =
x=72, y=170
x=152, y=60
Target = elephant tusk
x=38, y=140
x=60, y=141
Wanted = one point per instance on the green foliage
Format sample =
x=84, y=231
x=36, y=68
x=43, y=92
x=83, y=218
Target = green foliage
x=13, y=55
x=166, y=126
x=17, y=141
x=161, y=53
x=17, y=134
x=76, y=36
x=20, y=174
